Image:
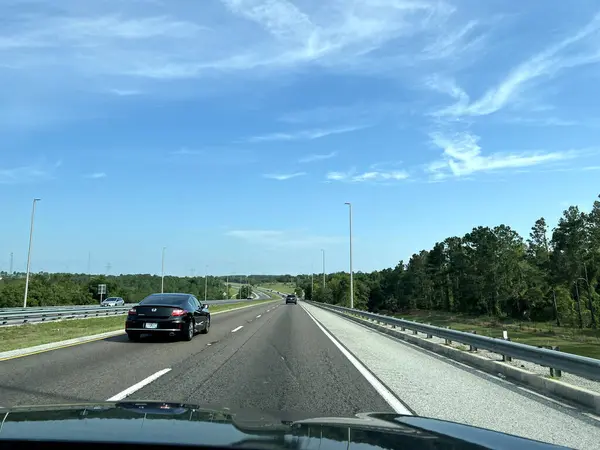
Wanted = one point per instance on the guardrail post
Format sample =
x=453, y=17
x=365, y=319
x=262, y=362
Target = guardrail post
x=414, y=331
x=429, y=336
x=555, y=372
x=447, y=341
x=402, y=327
x=471, y=347
x=506, y=358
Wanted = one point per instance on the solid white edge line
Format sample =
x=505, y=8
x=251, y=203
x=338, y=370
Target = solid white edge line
x=237, y=329
x=136, y=387
x=387, y=395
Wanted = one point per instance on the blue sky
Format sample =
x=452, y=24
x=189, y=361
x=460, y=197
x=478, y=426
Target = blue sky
x=233, y=131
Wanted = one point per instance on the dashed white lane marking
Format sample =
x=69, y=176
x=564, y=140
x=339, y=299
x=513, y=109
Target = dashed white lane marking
x=136, y=387
x=387, y=395
x=237, y=329
x=258, y=316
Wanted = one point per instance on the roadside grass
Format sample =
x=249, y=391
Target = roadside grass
x=272, y=295
x=30, y=335
x=584, y=342
x=286, y=288
x=233, y=292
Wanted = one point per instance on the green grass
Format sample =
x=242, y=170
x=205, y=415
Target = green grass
x=272, y=295
x=584, y=342
x=286, y=288
x=29, y=335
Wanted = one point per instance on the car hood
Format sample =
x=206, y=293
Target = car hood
x=178, y=423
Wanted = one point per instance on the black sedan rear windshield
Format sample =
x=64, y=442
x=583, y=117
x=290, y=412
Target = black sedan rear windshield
x=166, y=299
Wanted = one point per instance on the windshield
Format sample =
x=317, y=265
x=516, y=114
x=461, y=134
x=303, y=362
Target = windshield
x=314, y=208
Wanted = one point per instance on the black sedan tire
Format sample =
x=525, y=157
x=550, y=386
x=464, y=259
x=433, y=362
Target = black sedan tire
x=188, y=333
x=206, y=327
x=134, y=336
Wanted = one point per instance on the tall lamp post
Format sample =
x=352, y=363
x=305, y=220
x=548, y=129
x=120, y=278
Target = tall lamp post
x=205, y=282
x=35, y=200
x=323, y=251
x=162, y=276
x=351, y=273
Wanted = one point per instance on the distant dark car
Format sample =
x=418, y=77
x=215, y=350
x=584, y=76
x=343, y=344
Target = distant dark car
x=168, y=315
x=113, y=301
x=291, y=298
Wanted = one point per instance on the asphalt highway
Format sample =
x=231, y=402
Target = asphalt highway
x=294, y=361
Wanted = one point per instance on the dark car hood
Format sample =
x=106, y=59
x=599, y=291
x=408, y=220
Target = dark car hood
x=176, y=423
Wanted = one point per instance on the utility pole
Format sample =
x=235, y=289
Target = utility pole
x=89, y=267
x=35, y=200
x=11, y=264
x=108, y=267
x=351, y=272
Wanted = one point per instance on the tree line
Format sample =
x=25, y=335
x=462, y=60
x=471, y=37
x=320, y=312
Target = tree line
x=55, y=289
x=551, y=275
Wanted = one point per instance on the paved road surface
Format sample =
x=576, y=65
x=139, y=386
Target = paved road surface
x=274, y=357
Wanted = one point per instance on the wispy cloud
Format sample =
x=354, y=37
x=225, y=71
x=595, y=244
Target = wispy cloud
x=548, y=63
x=284, y=238
x=370, y=176
x=303, y=134
x=462, y=156
x=96, y=175
x=28, y=174
x=284, y=176
x=317, y=157
x=455, y=42
x=125, y=92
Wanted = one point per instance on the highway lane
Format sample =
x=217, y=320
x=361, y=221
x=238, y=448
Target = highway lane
x=283, y=363
x=98, y=370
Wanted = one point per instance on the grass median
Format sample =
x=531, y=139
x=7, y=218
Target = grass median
x=584, y=342
x=30, y=335
x=286, y=288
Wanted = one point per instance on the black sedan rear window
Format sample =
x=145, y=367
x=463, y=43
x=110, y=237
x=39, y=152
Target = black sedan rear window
x=164, y=299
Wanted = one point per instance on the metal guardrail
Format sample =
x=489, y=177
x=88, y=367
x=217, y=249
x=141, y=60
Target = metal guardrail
x=577, y=365
x=20, y=316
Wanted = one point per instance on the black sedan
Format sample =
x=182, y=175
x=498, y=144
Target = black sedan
x=168, y=315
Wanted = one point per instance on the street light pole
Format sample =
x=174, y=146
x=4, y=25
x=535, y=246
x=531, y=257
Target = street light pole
x=205, y=282
x=351, y=272
x=323, y=251
x=35, y=200
x=162, y=276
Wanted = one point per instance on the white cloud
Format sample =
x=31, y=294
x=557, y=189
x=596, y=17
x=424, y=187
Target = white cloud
x=285, y=238
x=125, y=92
x=303, y=134
x=370, y=176
x=455, y=42
x=284, y=176
x=317, y=157
x=548, y=63
x=28, y=174
x=96, y=175
x=462, y=156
